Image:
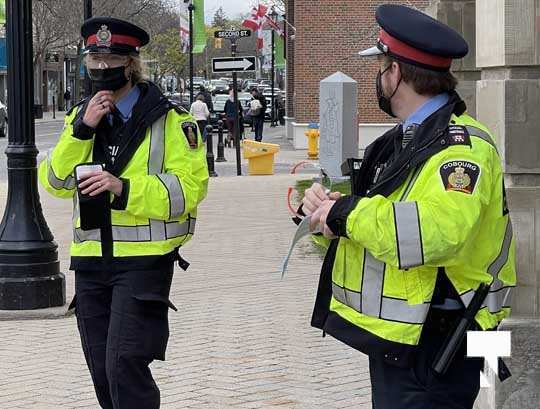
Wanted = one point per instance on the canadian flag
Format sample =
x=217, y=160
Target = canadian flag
x=275, y=26
x=256, y=22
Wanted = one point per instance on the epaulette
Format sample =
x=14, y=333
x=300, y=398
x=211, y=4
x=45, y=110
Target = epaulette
x=458, y=135
x=178, y=107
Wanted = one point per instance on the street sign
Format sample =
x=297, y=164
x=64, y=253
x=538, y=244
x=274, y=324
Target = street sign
x=227, y=64
x=232, y=34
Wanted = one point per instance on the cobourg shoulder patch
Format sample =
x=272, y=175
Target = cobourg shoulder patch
x=190, y=132
x=460, y=176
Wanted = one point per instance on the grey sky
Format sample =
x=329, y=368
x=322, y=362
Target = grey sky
x=232, y=7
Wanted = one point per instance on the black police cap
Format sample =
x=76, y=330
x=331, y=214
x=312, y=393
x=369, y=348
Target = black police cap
x=112, y=35
x=414, y=37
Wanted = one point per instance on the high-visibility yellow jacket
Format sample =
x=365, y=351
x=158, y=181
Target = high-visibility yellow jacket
x=165, y=177
x=438, y=209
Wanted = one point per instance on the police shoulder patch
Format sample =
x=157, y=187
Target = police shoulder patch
x=460, y=176
x=458, y=135
x=190, y=132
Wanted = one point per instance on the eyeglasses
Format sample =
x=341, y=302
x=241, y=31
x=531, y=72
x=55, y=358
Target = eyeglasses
x=105, y=60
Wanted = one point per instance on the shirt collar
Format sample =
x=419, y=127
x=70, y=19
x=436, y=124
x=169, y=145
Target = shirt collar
x=424, y=111
x=128, y=101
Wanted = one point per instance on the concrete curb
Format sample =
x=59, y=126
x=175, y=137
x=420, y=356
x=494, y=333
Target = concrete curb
x=45, y=121
x=41, y=314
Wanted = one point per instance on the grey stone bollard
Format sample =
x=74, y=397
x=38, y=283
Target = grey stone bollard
x=338, y=122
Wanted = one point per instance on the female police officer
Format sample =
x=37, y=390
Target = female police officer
x=135, y=167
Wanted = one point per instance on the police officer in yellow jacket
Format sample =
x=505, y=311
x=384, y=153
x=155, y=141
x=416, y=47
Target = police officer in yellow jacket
x=135, y=168
x=427, y=224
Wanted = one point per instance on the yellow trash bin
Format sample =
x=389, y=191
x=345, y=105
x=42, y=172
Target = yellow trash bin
x=260, y=157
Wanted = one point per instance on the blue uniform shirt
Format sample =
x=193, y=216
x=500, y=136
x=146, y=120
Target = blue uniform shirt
x=423, y=112
x=126, y=104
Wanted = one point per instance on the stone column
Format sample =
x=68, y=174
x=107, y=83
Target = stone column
x=338, y=122
x=460, y=15
x=508, y=102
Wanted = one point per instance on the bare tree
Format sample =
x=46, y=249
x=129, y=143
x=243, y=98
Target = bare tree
x=56, y=23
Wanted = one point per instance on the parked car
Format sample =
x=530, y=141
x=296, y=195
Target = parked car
x=219, y=102
x=218, y=87
x=3, y=120
x=250, y=85
x=219, y=108
x=245, y=98
x=267, y=91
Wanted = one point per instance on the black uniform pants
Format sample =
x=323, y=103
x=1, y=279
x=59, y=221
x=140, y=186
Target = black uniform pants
x=122, y=320
x=418, y=387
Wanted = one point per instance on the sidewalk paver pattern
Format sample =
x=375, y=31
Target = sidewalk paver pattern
x=241, y=337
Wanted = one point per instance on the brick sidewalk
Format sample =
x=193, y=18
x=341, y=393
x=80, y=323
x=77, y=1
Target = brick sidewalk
x=241, y=337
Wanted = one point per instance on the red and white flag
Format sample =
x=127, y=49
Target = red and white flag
x=275, y=26
x=256, y=22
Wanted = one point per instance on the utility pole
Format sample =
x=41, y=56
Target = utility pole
x=30, y=275
x=87, y=82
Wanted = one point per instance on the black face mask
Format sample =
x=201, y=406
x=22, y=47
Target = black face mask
x=108, y=79
x=385, y=102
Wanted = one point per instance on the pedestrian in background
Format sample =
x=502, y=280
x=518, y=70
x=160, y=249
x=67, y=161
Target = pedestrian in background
x=200, y=112
x=231, y=113
x=207, y=97
x=425, y=228
x=257, y=112
x=135, y=166
x=67, y=99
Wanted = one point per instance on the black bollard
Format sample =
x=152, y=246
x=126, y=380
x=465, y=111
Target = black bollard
x=220, y=145
x=210, y=150
x=53, y=107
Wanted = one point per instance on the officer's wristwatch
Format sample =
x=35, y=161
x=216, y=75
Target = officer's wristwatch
x=81, y=130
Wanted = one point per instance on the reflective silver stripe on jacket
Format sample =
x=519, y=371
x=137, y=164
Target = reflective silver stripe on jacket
x=372, y=285
x=479, y=133
x=389, y=308
x=139, y=233
x=408, y=234
x=499, y=262
x=495, y=300
x=499, y=295
x=157, y=146
x=156, y=163
x=57, y=183
x=176, y=194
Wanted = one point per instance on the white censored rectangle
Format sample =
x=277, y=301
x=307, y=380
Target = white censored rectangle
x=488, y=344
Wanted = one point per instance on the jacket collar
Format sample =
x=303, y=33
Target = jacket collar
x=422, y=146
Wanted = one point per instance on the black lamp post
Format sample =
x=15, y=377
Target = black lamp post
x=87, y=15
x=273, y=16
x=191, y=7
x=29, y=269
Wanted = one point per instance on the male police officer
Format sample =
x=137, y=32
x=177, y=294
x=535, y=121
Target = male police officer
x=427, y=224
x=135, y=167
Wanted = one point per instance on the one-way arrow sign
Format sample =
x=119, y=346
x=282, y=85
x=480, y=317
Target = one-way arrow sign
x=228, y=64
